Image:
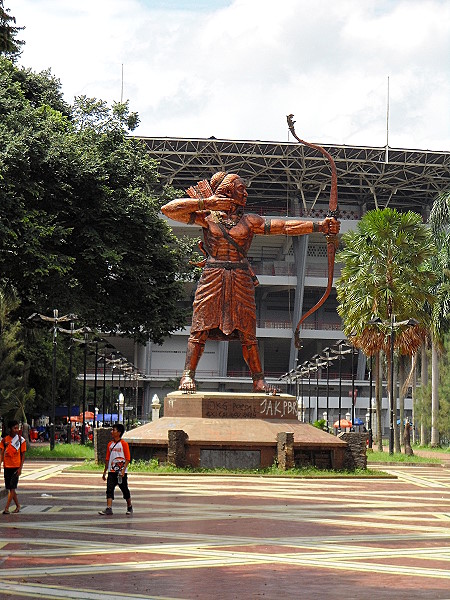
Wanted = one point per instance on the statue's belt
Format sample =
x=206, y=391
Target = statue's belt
x=226, y=264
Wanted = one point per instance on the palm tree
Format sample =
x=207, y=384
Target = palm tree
x=440, y=227
x=17, y=401
x=385, y=275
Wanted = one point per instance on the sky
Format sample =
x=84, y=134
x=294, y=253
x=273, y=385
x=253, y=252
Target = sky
x=356, y=72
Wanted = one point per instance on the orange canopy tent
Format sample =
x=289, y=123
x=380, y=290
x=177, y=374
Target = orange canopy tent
x=343, y=424
x=88, y=416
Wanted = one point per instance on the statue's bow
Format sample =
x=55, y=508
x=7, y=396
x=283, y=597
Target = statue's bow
x=332, y=240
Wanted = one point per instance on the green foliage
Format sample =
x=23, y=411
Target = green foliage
x=443, y=420
x=80, y=226
x=440, y=264
x=436, y=449
x=16, y=402
x=398, y=457
x=422, y=405
x=10, y=46
x=320, y=424
x=15, y=396
x=153, y=467
x=67, y=451
x=38, y=354
x=385, y=270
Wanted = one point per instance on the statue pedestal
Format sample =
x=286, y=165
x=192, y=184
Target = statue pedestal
x=233, y=430
x=226, y=405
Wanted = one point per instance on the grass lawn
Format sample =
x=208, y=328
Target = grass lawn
x=443, y=449
x=384, y=457
x=86, y=453
x=61, y=451
x=152, y=467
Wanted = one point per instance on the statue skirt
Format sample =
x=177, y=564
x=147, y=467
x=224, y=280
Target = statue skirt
x=225, y=301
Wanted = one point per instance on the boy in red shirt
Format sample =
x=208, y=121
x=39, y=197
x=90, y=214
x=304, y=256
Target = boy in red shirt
x=12, y=454
x=117, y=461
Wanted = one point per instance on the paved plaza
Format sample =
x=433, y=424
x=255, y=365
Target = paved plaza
x=221, y=538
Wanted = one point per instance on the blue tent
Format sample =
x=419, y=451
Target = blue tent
x=109, y=418
x=358, y=421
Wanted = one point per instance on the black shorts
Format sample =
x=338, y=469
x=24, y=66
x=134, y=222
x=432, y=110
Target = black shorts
x=111, y=483
x=11, y=477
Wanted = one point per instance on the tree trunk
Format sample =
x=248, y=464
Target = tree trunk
x=413, y=396
x=424, y=382
x=394, y=374
x=401, y=395
x=434, y=395
x=379, y=400
x=407, y=439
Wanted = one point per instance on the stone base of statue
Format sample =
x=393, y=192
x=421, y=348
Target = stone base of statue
x=236, y=431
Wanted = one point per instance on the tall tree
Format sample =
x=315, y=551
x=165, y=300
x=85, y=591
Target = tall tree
x=444, y=389
x=440, y=226
x=80, y=228
x=385, y=275
x=10, y=46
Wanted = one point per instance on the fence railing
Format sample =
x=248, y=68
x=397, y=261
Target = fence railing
x=281, y=324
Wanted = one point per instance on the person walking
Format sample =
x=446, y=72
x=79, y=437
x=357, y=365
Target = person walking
x=116, y=464
x=12, y=455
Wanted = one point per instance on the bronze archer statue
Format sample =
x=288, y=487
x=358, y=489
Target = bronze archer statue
x=224, y=303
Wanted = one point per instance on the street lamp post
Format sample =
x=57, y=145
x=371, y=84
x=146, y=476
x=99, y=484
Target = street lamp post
x=340, y=388
x=71, y=332
x=104, y=388
x=85, y=351
x=353, y=351
x=55, y=320
x=85, y=343
x=104, y=359
x=96, y=340
x=317, y=364
x=136, y=399
x=309, y=392
x=112, y=393
x=304, y=372
x=328, y=359
x=339, y=354
x=69, y=400
x=115, y=363
x=302, y=401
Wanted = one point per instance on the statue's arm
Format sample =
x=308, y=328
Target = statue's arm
x=268, y=226
x=191, y=210
x=184, y=210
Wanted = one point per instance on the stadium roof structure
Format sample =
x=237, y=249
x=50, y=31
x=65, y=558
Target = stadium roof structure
x=279, y=173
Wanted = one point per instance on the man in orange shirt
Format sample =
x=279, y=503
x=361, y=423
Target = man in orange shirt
x=12, y=455
x=117, y=461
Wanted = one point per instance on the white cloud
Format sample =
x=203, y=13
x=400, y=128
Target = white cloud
x=235, y=69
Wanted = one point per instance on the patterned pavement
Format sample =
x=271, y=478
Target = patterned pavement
x=223, y=538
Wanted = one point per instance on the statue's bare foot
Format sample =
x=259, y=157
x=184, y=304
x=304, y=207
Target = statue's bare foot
x=187, y=383
x=260, y=385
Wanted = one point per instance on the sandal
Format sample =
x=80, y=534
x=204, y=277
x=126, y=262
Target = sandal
x=5, y=512
x=16, y=510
